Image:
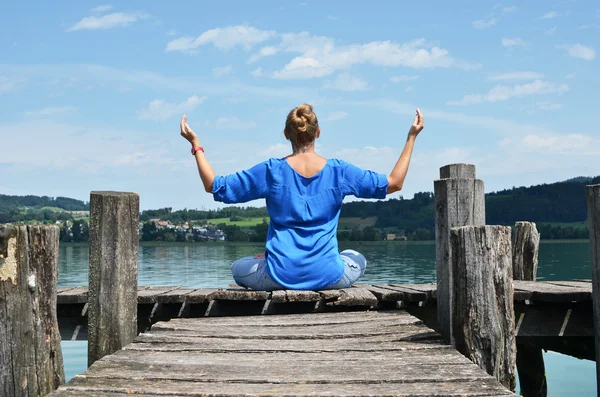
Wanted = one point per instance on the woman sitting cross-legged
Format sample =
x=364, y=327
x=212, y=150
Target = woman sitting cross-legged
x=304, y=194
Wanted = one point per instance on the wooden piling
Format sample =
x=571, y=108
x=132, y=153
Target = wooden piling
x=593, y=204
x=459, y=201
x=530, y=359
x=483, y=321
x=113, y=255
x=31, y=361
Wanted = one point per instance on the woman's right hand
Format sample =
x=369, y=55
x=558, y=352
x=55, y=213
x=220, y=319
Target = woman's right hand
x=417, y=125
x=188, y=133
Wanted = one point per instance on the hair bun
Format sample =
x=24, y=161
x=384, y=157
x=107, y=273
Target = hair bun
x=302, y=125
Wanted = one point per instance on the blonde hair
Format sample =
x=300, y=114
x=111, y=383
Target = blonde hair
x=301, y=126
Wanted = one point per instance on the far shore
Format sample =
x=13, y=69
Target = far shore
x=341, y=243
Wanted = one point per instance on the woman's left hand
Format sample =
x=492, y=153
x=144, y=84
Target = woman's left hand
x=188, y=133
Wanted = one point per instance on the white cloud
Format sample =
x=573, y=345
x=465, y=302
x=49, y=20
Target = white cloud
x=171, y=32
x=517, y=76
x=321, y=57
x=333, y=18
x=554, y=143
x=545, y=105
x=50, y=111
x=160, y=110
x=102, y=8
x=503, y=93
x=570, y=76
x=347, y=82
x=484, y=24
x=550, y=31
x=108, y=21
x=408, y=89
x=509, y=9
x=403, y=78
x=512, y=42
x=257, y=72
x=579, y=51
x=337, y=116
x=263, y=52
x=588, y=26
x=222, y=71
x=233, y=123
x=8, y=84
x=555, y=14
x=223, y=38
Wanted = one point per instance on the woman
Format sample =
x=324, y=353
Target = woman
x=304, y=194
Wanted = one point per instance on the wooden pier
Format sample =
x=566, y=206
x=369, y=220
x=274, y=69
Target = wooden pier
x=466, y=335
x=373, y=353
x=543, y=309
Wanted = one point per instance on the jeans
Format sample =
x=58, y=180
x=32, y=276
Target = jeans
x=251, y=273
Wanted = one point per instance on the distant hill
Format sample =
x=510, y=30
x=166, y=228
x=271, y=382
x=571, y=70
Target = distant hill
x=559, y=208
x=8, y=203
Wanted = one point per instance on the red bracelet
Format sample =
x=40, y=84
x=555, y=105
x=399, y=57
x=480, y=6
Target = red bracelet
x=195, y=149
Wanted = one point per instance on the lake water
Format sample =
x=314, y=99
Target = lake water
x=208, y=265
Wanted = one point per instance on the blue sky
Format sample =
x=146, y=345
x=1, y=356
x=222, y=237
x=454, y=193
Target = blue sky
x=91, y=93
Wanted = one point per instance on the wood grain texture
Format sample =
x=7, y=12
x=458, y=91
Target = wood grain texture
x=526, y=246
x=113, y=260
x=458, y=202
x=30, y=354
x=593, y=204
x=342, y=354
x=530, y=359
x=483, y=315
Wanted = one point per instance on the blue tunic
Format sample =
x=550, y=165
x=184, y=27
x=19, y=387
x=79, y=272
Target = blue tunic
x=301, y=249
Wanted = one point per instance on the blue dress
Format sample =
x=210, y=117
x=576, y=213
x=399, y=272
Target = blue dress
x=301, y=249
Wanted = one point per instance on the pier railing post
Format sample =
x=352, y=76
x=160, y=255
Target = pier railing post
x=593, y=204
x=113, y=253
x=530, y=359
x=31, y=362
x=483, y=319
x=459, y=201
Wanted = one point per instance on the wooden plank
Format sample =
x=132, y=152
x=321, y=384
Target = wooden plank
x=149, y=295
x=175, y=296
x=355, y=297
x=586, y=285
x=300, y=332
x=462, y=387
x=384, y=294
x=278, y=297
x=240, y=294
x=546, y=292
x=200, y=295
x=301, y=296
x=306, y=319
x=407, y=294
x=429, y=289
x=72, y=296
x=442, y=355
x=285, y=371
x=162, y=342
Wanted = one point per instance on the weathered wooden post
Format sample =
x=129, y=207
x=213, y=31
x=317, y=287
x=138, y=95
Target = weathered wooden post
x=530, y=359
x=593, y=203
x=459, y=201
x=483, y=319
x=113, y=246
x=31, y=362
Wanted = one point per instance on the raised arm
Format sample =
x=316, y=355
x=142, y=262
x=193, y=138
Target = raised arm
x=206, y=172
x=398, y=174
